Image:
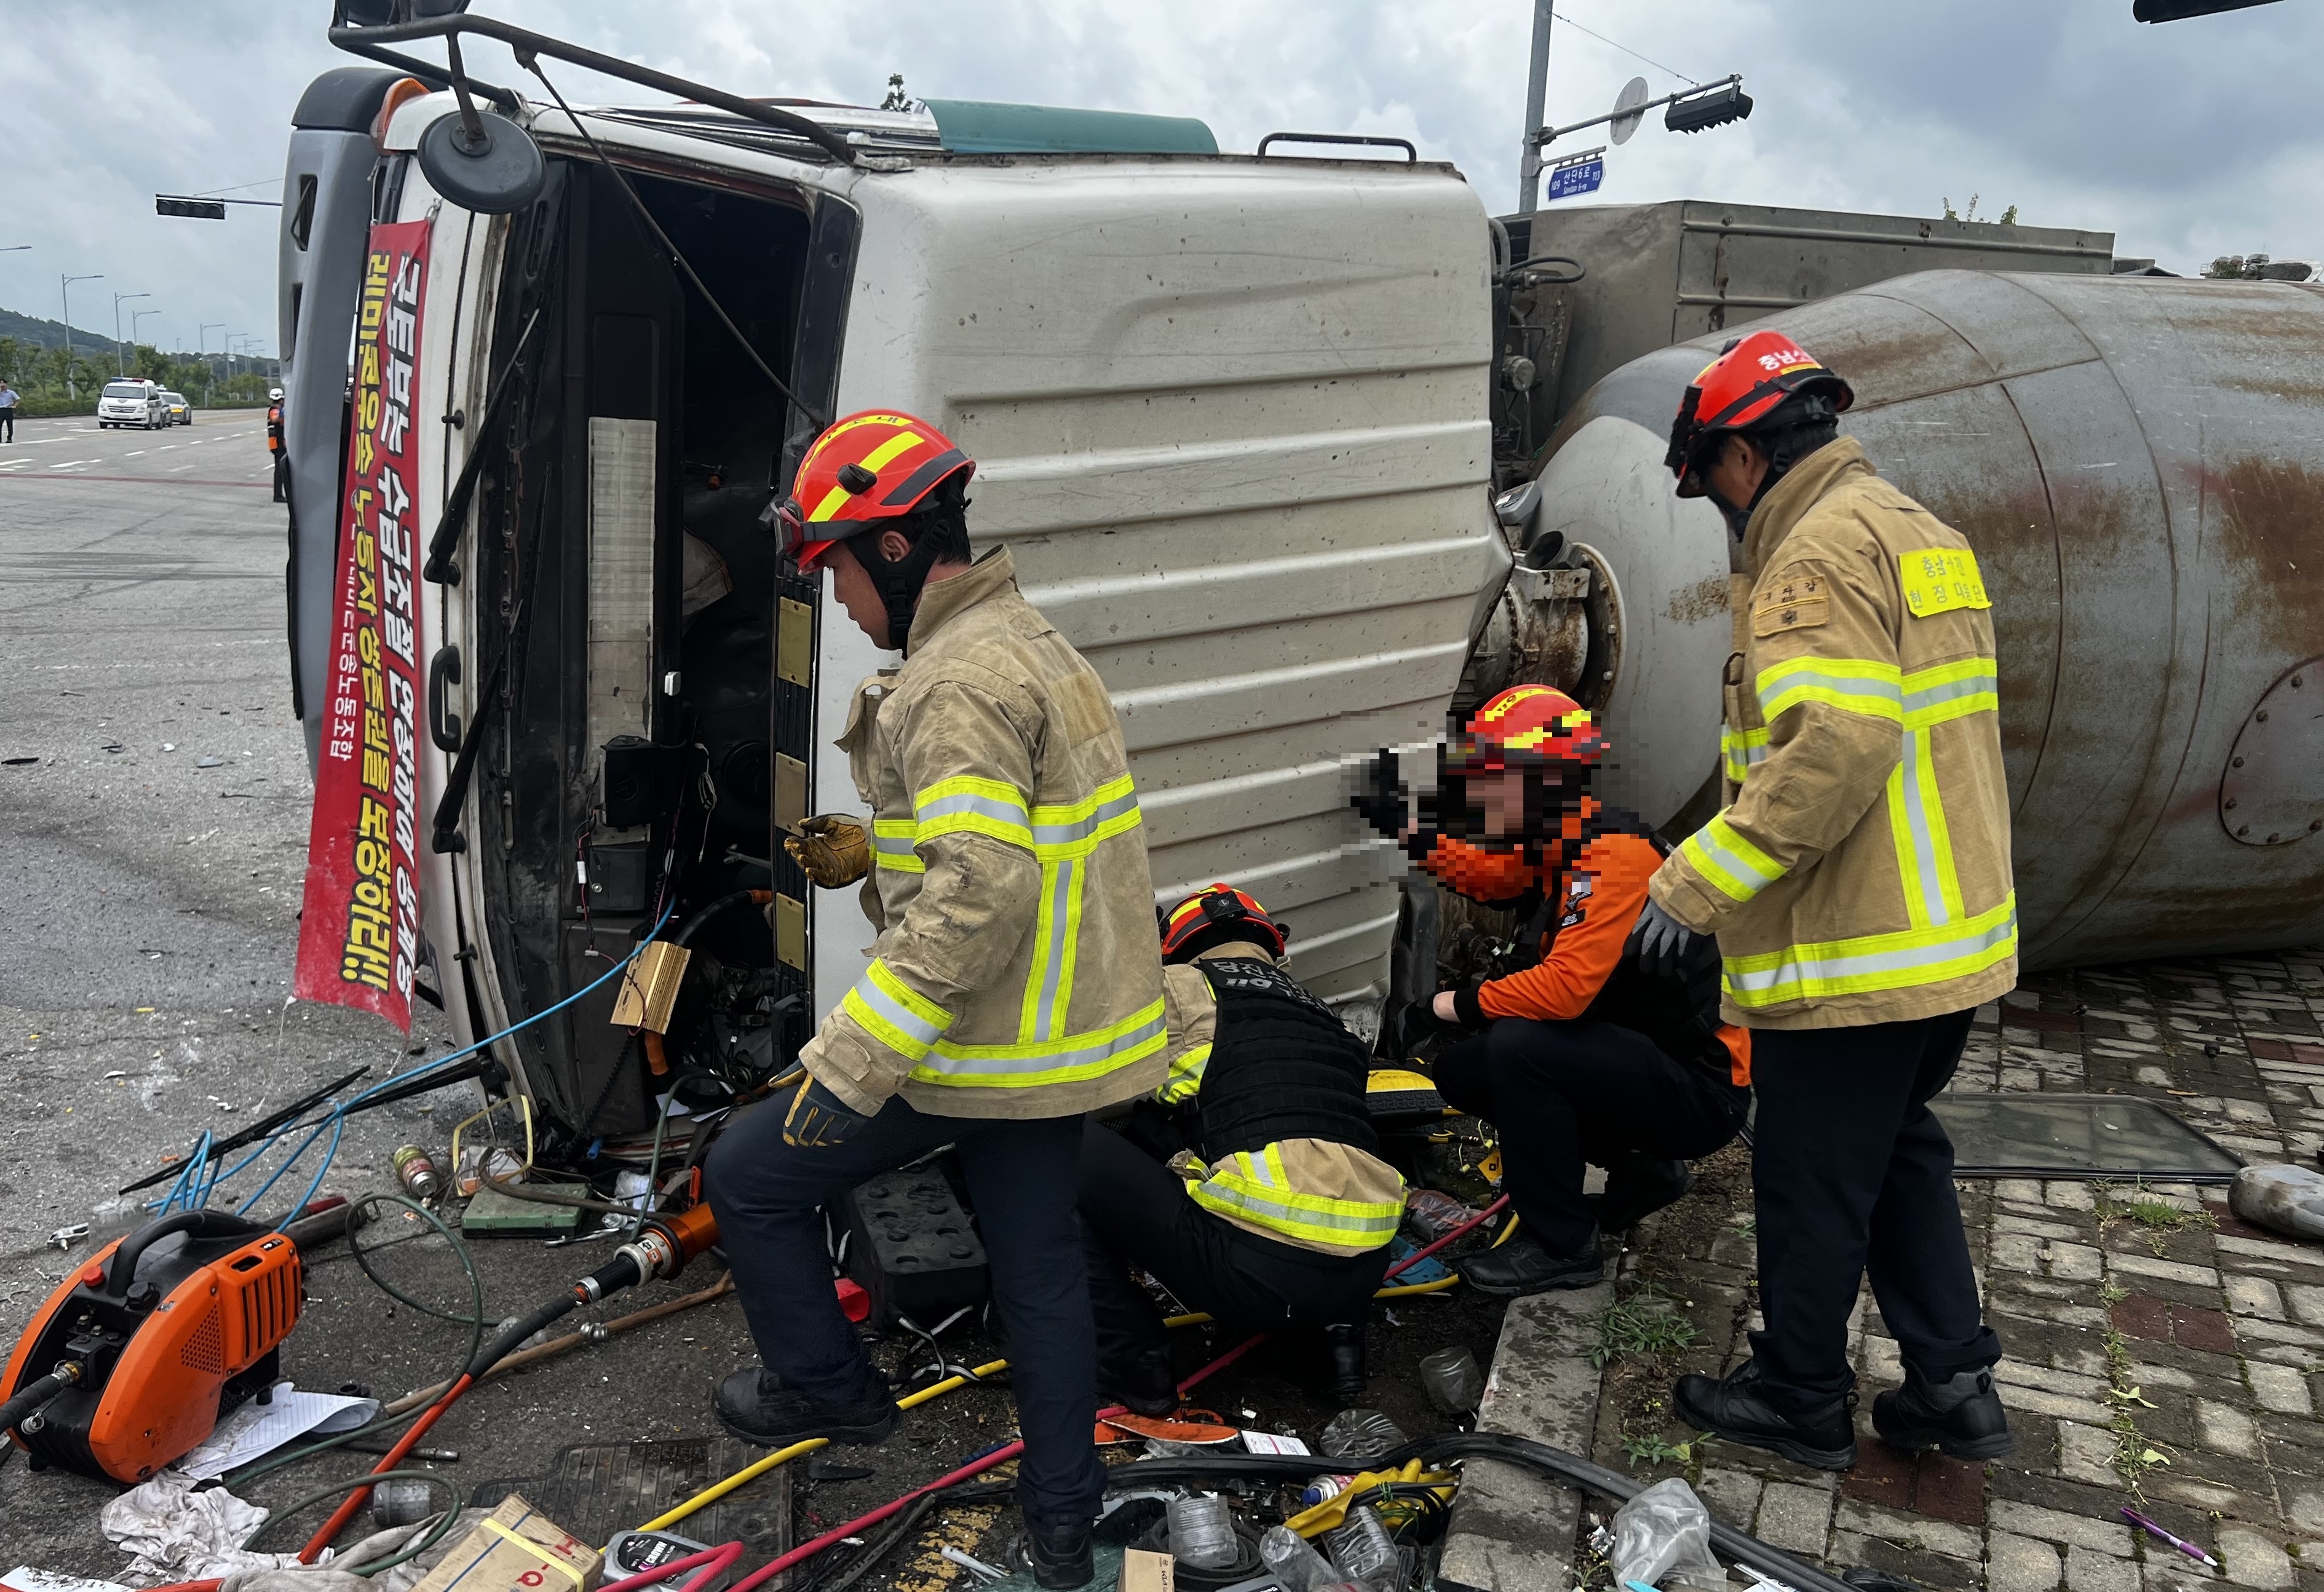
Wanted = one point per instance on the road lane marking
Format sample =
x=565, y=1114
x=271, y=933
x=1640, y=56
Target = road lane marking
x=133, y=454
x=72, y=463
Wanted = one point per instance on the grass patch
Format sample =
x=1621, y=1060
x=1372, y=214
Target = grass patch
x=2155, y=1218
x=1654, y=1449
x=1640, y=1323
x=2134, y=1454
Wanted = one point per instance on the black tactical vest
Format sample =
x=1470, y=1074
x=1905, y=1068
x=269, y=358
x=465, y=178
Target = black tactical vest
x=1282, y=1065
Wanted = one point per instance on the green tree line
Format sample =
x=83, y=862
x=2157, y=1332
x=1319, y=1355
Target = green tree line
x=39, y=374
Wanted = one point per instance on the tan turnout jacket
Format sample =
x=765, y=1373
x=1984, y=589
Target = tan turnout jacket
x=1016, y=972
x=1860, y=870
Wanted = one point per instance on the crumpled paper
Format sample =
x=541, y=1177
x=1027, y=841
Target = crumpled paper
x=177, y=1534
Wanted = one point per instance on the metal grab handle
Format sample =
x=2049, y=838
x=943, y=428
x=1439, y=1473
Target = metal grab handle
x=443, y=728
x=1412, y=155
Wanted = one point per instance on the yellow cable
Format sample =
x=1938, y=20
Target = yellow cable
x=1398, y=1292
x=1507, y=1231
x=759, y=1468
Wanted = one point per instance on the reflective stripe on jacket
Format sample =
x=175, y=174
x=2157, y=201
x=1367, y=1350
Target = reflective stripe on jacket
x=1016, y=973
x=1267, y=1191
x=1861, y=872
x=1314, y=1193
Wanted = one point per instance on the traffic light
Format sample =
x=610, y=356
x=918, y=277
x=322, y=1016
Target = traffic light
x=1723, y=104
x=197, y=210
x=2171, y=11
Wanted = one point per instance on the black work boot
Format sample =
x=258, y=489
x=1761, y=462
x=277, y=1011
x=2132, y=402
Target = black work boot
x=1521, y=1266
x=1346, y=1341
x=1147, y=1384
x=1738, y=1410
x=1060, y=1554
x=756, y=1407
x=1962, y=1415
x=1638, y=1188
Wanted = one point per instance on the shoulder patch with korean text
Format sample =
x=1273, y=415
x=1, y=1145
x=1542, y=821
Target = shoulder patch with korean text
x=1937, y=579
x=1794, y=601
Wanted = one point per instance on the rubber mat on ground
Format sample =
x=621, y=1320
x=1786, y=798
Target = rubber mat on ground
x=594, y=1490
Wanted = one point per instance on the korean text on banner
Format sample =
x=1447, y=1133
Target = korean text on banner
x=359, y=936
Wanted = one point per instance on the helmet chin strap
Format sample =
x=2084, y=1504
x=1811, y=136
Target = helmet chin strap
x=901, y=584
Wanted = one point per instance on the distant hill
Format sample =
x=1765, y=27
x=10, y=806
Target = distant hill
x=51, y=334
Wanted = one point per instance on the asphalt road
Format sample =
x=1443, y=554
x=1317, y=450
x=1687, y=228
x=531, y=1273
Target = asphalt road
x=153, y=809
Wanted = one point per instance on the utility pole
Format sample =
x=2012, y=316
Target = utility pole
x=1536, y=105
x=201, y=346
x=120, y=359
x=64, y=291
x=134, y=317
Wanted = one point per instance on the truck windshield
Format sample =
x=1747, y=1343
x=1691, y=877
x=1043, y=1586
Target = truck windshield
x=123, y=390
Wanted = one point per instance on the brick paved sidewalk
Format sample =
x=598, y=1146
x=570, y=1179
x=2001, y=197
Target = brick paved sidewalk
x=2159, y=1348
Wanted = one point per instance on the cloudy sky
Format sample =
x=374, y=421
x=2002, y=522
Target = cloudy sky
x=2187, y=140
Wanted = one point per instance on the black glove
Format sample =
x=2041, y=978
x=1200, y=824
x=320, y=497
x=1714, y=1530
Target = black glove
x=1660, y=942
x=1379, y=797
x=818, y=1118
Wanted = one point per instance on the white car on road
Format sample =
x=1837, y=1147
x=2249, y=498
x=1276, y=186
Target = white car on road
x=132, y=403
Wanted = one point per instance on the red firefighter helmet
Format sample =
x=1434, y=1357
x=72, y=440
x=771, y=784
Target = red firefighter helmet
x=1529, y=726
x=1740, y=390
x=875, y=465
x=1185, y=926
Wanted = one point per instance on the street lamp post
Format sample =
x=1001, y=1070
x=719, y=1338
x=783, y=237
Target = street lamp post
x=201, y=346
x=64, y=291
x=1536, y=95
x=134, y=317
x=121, y=360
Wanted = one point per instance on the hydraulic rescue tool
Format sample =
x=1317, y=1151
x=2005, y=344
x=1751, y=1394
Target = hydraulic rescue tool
x=662, y=1248
x=132, y=1361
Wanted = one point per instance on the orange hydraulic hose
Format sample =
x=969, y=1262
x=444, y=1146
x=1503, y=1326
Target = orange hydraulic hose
x=354, y=1501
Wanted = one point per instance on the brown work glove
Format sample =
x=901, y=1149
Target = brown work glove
x=834, y=850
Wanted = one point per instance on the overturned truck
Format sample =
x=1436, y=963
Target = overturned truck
x=1242, y=420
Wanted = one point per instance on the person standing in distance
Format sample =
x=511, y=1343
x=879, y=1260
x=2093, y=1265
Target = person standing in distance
x=8, y=400
x=274, y=445
x=1859, y=883
x=1015, y=985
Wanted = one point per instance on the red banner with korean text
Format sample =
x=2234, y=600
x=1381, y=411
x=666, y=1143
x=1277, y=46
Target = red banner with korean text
x=359, y=934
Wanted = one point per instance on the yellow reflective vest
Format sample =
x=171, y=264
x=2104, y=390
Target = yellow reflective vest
x=1860, y=870
x=1016, y=972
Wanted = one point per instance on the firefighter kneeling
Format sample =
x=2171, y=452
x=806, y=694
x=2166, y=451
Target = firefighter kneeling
x=1585, y=1058
x=1246, y=1185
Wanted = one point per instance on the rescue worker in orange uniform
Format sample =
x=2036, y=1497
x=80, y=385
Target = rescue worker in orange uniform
x=1578, y=1055
x=274, y=445
x=1858, y=885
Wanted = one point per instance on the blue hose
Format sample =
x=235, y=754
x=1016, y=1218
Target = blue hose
x=198, y=1196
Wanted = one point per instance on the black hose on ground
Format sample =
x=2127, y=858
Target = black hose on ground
x=1467, y=1445
x=37, y=1394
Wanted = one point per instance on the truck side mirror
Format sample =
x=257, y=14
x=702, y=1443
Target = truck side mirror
x=493, y=171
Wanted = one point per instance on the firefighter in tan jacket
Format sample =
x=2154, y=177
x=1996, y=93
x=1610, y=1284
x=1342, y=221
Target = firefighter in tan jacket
x=1250, y=1183
x=1014, y=984
x=1859, y=883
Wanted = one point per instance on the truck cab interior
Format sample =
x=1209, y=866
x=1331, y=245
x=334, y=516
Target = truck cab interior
x=635, y=723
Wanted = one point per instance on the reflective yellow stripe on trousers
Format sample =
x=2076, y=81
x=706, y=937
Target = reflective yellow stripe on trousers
x=1254, y=1186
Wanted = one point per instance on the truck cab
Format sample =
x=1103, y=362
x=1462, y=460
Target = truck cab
x=1230, y=414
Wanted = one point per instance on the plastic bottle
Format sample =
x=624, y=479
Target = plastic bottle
x=1359, y=1433
x=417, y=1173
x=113, y=1218
x=1451, y=1381
x=1362, y=1551
x=1293, y=1562
x=1202, y=1532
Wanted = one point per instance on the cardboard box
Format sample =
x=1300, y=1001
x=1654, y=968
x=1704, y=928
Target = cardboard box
x=515, y=1549
x=1148, y=1573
